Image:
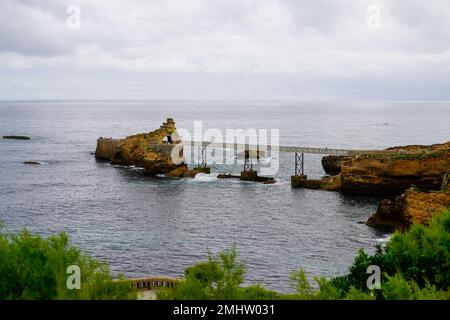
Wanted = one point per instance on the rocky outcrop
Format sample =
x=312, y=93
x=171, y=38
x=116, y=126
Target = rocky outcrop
x=159, y=151
x=17, y=137
x=393, y=172
x=31, y=162
x=252, y=175
x=107, y=148
x=412, y=207
x=332, y=164
x=249, y=175
x=330, y=183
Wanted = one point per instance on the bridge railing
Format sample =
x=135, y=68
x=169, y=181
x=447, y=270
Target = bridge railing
x=149, y=283
x=291, y=149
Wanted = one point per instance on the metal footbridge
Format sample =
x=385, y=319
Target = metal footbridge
x=298, y=151
x=288, y=149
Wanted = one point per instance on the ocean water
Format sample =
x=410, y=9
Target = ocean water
x=143, y=225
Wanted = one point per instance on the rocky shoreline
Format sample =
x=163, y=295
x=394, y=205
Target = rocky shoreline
x=389, y=173
x=154, y=151
x=413, y=179
x=412, y=207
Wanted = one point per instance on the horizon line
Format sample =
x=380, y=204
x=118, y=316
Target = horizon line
x=228, y=100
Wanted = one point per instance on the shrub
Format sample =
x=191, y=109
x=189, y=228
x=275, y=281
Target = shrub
x=32, y=267
x=420, y=256
x=414, y=265
x=218, y=278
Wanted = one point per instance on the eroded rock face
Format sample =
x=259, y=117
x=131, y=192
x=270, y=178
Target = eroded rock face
x=107, y=148
x=332, y=164
x=155, y=151
x=392, y=174
x=412, y=207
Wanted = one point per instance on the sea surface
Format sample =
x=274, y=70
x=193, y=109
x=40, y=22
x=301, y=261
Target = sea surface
x=143, y=225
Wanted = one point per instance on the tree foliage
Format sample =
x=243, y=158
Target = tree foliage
x=418, y=259
x=414, y=265
x=32, y=267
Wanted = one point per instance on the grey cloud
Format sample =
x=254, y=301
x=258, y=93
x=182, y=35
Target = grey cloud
x=282, y=48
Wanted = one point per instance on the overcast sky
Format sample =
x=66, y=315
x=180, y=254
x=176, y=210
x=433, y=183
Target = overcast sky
x=227, y=49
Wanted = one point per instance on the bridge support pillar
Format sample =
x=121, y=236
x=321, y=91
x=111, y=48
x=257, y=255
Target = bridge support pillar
x=206, y=170
x=248, y=163
x=249, y=175
x=202, y=167
x=299, y=164
x=298, y=181
x=299, y=177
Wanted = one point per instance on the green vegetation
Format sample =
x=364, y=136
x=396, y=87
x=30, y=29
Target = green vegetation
x=329, y=183
x=408, y=156
x=32, y=267
x=374, y=156
x=401, y=156
x=414, y=265
x=219, y=278
x=416, y=156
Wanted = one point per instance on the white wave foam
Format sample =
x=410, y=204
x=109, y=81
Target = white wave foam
x=136, y=168
x=265, y=161
x=205, y=177
x=118, y=166
x=384, y=239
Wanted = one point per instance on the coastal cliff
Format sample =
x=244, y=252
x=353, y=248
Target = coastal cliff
x=412, y=207
x=393, y=173
x=154, y=151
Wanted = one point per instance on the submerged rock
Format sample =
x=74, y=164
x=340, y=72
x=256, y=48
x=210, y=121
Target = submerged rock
x=159, y=151
x=252, y=175
x=412, y=207
x=247, y=176
x=227, y=176
x=17, y=137
x=31, y=162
